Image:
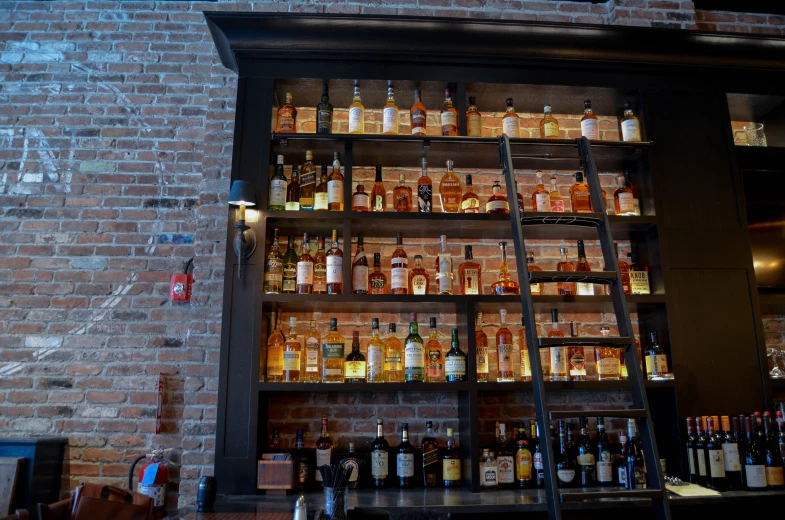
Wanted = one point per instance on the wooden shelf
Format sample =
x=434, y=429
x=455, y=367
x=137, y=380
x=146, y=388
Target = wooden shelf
x=517, y=386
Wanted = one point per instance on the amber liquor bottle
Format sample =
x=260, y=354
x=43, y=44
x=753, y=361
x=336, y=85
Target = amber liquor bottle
x=334, y=267
x=481, y=345
x=320, y=268
x=424, y=190
x=402, y=196
x=418, y=115
x=536, y=288
x=452, y=475
x=504, y=285
x=291, y=354
x=355, y=367
x=565, y=265
x=275, y=347
x=608, y=360
x=639, y=276
x=308, y=182
x=378, y=193
x=450, y=190
x=419, y=281
x=583, y=288
x=434, y=369
x=630, y=126
x=558, y=354
x=305, y=267
x=390, y=114
x=287, y=117
x=580, y=199
x=557, y=201
x=590, y=127
x=273, y=272
x=577, y=358
x=470, y=274
x=541, y=198
x=549, y=126
x=360, y=269
x=320, y=198
x=504, y=347
x=470, y=202
x=511, y=124
x=526, y=367
x=377, y=280
x=399, y=268
x=324, y=451
x=497, y=203
x=332, y=355
x=430, y=457
x=449, y=115
x=393, y=351
x=335, y=186
x=361, y=201
x=473, y=119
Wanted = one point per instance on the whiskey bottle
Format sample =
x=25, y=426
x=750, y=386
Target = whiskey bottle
x=624, y=198
x=414, y=354
x=449, y=116
x=380, y=462
x=504, y=285
x=375, y=372
x=656, y=360
x=505, y=460
x=586, y=460
x=287, y=117
x=519, y=197
x=393, y=352
x=320, y=196
x=275, y=346
x=470, y=202
x=504, y=347
x=635, y=198
x=289, y=283
x=424, y=190
x=565, y=265
x=334, y=267
x=577, y=369
x=558, y=354
x=604, y=459
x=404, y=459
x=291, y=354
x=418, y=115
x=580, y=198
x=715, y=474
x=320, y=268
x=332, y=355
x=470, y=274
x=557, y=202
x=399, y=271
x=452, y=476
x=356, y=113
x=358, y=466
x=277, y=199
x=324, y=450
x=497, y=202
x=473, y=120
x=419, y=281
x=431, y=476
x=324, y=114
x=526, y=368
x=630, y=126
x=450, y=190
x=444, y=275
x=360, y=269
x=489, y=472
x=639, y=275
x=583, y=288
x=313, y=354
x=607, y=359
x=549, y=126
x=361, y=200
x=481, y=345
x=636, y=467
x=390, y=114
x=523, y=460
x=434, y=371
x=377, y=280
x=273, y=273
x=536, y=288
x=301, y=461
x=624, y=269
x=335, y=186
x=455, y=361
x=355, y=367
x=565, y=465
x=511, y=124
x=305, y=268
x=293, y=191
x=402, y=196
x=378, y=193
x=590, y=127
x=541, y=198
x=307, y=182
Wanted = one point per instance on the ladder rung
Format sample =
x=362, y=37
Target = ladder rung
x=592, y=220
x=598, y=277
x=585, y=341
x=627, y=493
x=569, y=414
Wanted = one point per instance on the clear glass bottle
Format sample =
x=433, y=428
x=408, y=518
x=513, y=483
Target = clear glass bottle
x=526, y=368
x=356, y=113
x=399, y=271
x=577, y=358
x=481, y=345
x=390, y=114
x=335, y=186
x=355, y=366
x=470, y=274
x=377, y=280
x=320, y=197
x=360, y=269
x=623, y=198
x=630, y=126
x=275, y=347
x=313, y=355
x=277, y=198
x=444, y=276
x=434, y=370
x=536, y=288
x=320, y=268
x=580, y=199
x=565, y=265
x=497, y=202
x=558, y=354
x=549, y=126
x=418, y=115
x=324, y=114
x=608, y=360
x=557, y=202
x=287, y=117
x=489, y=472
x=375, y=354
x=273, y=272
x=449, y=116
x=541, y=198
x=504, y=285
x=419, y=280
x=307, y=182
x=292, y=351
x=393, y=354
x=424, y=190
x=414, y=353
x=504, y=346
x=473, y=119
x=450, y=190
x=511, y=124
x=305, y=267
x=583, y=288
x=402, y=196
x=334, y=267
x=332, y=355
x=590, y=127
x=378, y=193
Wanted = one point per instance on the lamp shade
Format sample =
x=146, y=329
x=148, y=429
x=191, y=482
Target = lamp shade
x=241, y=194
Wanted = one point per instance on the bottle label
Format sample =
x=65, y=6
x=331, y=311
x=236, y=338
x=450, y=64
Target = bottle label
x=482, y=359
x=312, y=355
x=293, y=206
x=405, y=464
x=489, y=476
x=455, y=366
x=352, y=463
x=360, y=200
x=375, y=362
x=474, y=125
x=716, y=464
x=730, y=452
x=656, y=365
x=639, y=282
x=756, y=475
x=496, y=205
x=590, y=128
x=558, y=360
x=557, y=205
x=277, y=192
x=414, y=359
x=774, y=476
x=639, y=477
x=434, y=368
x=275, y=360
x=622, y=475
x=691, y=456
x=390, y=120
x=471, y=281
x=702, y=462
x=424, y=198
x=523, y=465
x=631, y=130
x=320, y=278
x=302, y=471
x=378, y=203
x=356, y=120
x=536, y=288
x=334, y=269
x=307, y=177
x=355, y=369
x=543, y=200
x=291, y=360
x=605, y=467
x=320, y=201
x=545, y=361
x=392, y=364
x=286, y=121
x=418, y=284
x=608, y=367
x=626, y=203
x=448, y=120
x=511, y=126
x=379, y=466
x=470, y=205
x=526, y=367
x=398, y=275
x=324, y=122
x=538, y=461
x=445, y=274
x=451, y=469
x=289, y=277
x=332, y=350
x=322, y=459
x=551, y=129
x=506, y=469
x=335, y=192
x=578, y=363
x=274, y=274
x=587, y=459
x=585, y=289
x=377, y=285
x=418, y=122
x=304, y=273
x=566, y=475
x=505, y=357
x=360, y=278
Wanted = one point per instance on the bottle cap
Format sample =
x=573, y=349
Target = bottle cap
x=279, y=159
x=471, y=100
x=509, y=101
x=433, y=322
x=587, y=103
x=413, y=317
x=447, y=92
x=429, y=424
x=374, y=323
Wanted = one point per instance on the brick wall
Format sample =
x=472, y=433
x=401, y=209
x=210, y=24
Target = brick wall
x=116, y=123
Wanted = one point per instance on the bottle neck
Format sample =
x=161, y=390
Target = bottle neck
x=414, y=328
x=404, y=436
x=379, y=430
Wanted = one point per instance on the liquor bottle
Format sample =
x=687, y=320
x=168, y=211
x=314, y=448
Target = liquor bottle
x=449, y=115
x=334, y=267
x=417, y=115
x=320, y=268
x=780, y=434
x=431, y=476
x=357, y=464
x=489, y=472
x=450, y=190
x=324, y=450
x=539, y=467
x=320, y=197
x=636, y=467
x=414, y=353
x=380, y=462
x=393, y=352
x=565, y=464
x=623, y=198
x=700, y=452
x=620, y=464
x=576, y=357
x=287, y=117
x=481, y=345
x=558, y=354
x=375, y=373
x=715, y=470
x=273, y=272
x=536, y=288
x=571, y=447
x=291, y=354
x=360, y=269
x=402, y=196
x=313, y=354
x=419, y=280
x=526, y=367
x=730, y=453
x=434, y=371
x=604, y=459
x=557, y=202
x=324, y=114
x=656, y=361
x=549, y=126
x=583, y=288
x=424, y=190
x=523, y=460
x=497, y=203
x=774, y=471
x=754, y=460
x=541, y=198
x=332, y=355
x=399, y=268
x=511, y=124
x=470, y=202
x=473, y=120
x=356, y=113
x=355, y=366
x=301, y=461
x=293, y=191
x=378, y=193
x=692, y=458
x=504, y=347
x=305, y=267
x=444, y=276
x=504, y=285
x=505, y=461
x=607, y=359
x=361, y=200
x=566, y=266
x=580, y=198
x=307, y=182
x=452, y=476
x=404, y=459
x=519, y=197
x=377, y=280
x=639, y=276
x=624, y=269
x=455, y=361
x=335, y=186
x=630, y=126
x=586, y=459
x=590, y=127
x=275, y=346
x=470, y=274
x=390, y=114
x=277, y=199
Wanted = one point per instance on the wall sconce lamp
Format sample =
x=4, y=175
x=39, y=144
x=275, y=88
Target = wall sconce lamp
x=242, y=195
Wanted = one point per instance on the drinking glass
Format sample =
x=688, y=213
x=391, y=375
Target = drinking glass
x=776, y=355
x=754, y=135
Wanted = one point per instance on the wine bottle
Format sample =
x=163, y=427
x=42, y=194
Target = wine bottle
x=586, y=458
x=700, y=452
x=754, y=460
x=715, y=474
x=636, y=467
x=774, y=473
x=604, y=472
x=730, y=451
x=565, y=465
x=691, y=456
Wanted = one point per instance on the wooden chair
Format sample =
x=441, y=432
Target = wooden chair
x=21, y=514
x=57, y=511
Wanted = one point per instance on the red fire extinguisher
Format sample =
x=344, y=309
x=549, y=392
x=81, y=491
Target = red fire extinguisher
x=153, y=478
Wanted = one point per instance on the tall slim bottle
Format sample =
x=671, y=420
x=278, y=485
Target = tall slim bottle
x=414, y=354
x=444, y=275
x=380, y=459
x=404, y=459
x=324, y=450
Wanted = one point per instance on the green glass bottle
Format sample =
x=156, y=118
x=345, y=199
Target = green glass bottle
x=324, y=114
x=414, y=354
x=455, y=361
x=278, y=183
x=290, y=269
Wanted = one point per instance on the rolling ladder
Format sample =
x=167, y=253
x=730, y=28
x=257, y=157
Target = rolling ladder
x=640, y=411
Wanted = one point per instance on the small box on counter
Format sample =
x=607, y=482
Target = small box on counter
x=275, y=475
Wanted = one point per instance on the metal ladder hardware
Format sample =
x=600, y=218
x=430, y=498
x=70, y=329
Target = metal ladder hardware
x=640, y=410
